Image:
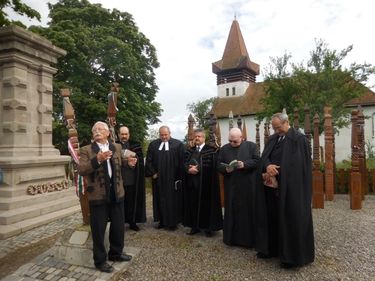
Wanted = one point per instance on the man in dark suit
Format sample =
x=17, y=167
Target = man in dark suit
x=202, y=208
x=283, y=205
x=238, y=161
x=164, y=163
x=134, y=182
x=101, y=163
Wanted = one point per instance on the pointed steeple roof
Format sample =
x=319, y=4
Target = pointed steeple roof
x=235, y=54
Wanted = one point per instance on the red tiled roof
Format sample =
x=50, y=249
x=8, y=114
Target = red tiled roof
x=365, y=100
x=235, y=53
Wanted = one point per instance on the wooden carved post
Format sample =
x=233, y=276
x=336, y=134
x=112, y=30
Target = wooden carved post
x=362, y=152
x=307, y=125
x=212, y=141
x=73, y=146
x=112, y=110
x=296, y=119
x=355, y=176
x=244, y=131
x=239, y=122
x=218, y=135
x=257, y=136
x=317, y=184
x=231, y=120
x=191, y=123
x=328, y=165
x=266, y=132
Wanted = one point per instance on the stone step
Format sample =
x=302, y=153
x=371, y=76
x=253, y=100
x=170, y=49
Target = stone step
x=29, y=200
x=7, y=231
x=23, y=213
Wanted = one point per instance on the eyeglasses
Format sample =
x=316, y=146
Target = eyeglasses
x=234, y=141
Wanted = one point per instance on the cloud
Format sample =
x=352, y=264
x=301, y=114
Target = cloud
x=190, y=35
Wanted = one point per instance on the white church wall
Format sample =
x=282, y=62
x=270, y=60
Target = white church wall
x=342, y=138
x=239, y=86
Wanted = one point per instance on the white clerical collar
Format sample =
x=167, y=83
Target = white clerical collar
x=165, y=144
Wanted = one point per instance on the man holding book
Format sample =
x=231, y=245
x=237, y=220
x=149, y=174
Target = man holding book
x=237, y=161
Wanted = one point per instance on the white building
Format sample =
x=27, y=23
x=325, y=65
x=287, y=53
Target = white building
x=239, y=93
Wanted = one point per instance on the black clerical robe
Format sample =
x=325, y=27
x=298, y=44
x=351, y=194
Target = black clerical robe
x=295, y=227
x=202, y=209
x=167, y=187
x=134, y=184
x=239, y=188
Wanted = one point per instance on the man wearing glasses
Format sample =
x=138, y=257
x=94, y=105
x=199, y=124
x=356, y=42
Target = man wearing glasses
x=283, y=205
x=237, y=162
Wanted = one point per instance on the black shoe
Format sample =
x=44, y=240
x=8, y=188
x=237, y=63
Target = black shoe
x=193, y=231
x=121, y=258
x=287, y=265
x=104, y=267
x=134, y=227
x=172, y=228
x=263, y=256
x=159, y=226
x=208, y=233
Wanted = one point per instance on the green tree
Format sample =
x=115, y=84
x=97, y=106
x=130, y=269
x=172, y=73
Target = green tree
x=323, y=81
x=200, y=110
x=18, y=7
x=103, y=46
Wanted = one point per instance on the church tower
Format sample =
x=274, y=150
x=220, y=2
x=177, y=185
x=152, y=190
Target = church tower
x=235, y=71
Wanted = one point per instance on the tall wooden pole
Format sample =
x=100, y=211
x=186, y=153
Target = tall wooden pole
x=328, y=164
x=355, y=176
x=318, y=181
x=70, y=121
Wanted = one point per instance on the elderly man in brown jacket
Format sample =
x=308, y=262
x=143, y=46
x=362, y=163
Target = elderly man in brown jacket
x=101, y=163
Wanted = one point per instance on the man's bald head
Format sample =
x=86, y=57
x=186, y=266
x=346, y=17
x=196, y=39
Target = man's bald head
x=235, y=137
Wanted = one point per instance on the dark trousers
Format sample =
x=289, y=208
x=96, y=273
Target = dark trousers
x=272, y=202
x=129, y=204
x=99, y=216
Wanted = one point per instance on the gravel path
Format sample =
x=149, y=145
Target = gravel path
x=344, y=241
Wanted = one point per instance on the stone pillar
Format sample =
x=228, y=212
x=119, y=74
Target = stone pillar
x=328, y=164
x=30, y=163
x=318, y=182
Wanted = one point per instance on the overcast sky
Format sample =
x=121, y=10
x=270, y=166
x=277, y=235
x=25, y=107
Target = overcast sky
x=190, y=35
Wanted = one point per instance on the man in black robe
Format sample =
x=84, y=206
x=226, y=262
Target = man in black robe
x=237, y=161
x=164, y=164
x=134, y=182
x=202, y=209
x=283, y=205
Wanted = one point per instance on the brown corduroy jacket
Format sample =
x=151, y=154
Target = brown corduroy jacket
x=98, y=181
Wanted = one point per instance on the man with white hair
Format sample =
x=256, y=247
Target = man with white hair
x=283, y=205
x=101, y=163
x=238, y=161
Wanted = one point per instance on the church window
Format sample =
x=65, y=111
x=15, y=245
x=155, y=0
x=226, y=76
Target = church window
x=227, y=92
x=233, y=91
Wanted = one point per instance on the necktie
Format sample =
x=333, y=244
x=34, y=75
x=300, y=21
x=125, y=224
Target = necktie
x=197, y=148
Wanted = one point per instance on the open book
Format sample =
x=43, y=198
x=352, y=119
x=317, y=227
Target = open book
x=233, y=164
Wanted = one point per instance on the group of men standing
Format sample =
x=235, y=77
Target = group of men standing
x=267, y=199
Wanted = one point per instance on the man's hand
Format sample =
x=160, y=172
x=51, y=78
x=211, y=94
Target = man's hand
x=132, y=161
x=240, y=165
x=193, y=169
x=102, y=156
x=272, y=170
x=155, y=176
